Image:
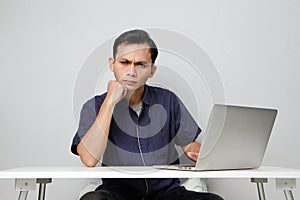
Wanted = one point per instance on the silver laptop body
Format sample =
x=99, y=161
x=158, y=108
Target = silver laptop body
x=236, y=138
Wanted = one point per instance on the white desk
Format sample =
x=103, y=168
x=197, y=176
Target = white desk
x=27, y=176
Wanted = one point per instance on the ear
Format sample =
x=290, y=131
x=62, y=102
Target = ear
x=153, y=70
x=111, y=64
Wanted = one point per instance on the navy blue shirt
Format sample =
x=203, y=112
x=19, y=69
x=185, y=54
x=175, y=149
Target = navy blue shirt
x=147, y=139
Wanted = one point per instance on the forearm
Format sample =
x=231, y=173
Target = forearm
x=92, y=146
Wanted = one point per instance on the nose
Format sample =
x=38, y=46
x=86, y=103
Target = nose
x=132, y=70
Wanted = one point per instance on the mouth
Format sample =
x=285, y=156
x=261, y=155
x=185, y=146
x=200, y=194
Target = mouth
x=129, y=82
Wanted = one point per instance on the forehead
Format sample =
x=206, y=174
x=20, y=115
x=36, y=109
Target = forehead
x=133, y=51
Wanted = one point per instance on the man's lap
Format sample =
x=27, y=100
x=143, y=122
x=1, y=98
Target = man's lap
x=179, y=193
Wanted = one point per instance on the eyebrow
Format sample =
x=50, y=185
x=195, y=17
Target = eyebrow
x=130, y=61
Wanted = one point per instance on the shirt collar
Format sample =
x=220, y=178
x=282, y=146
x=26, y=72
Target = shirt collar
x=146, y=99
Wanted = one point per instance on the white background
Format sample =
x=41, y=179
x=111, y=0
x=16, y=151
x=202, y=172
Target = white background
x=255, y=46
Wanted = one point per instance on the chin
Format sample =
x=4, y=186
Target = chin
x=133, y=87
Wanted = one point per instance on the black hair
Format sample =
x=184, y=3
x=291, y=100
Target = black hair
x=136, y=36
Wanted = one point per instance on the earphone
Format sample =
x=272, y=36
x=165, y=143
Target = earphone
x=139, y=144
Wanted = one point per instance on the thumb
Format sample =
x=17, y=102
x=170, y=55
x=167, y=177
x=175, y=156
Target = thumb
x=193, y=155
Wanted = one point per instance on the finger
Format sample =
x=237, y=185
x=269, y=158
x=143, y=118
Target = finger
x=124, y=91
x=193, y=155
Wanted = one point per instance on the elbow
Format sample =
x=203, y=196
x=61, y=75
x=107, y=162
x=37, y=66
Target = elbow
x=86, y=158
x=89, y=162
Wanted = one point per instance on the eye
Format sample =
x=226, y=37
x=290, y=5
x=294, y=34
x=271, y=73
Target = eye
x=142, y=64
x=124, y=62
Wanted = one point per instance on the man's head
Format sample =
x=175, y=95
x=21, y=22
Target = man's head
x=134, y=54
x=136, y=37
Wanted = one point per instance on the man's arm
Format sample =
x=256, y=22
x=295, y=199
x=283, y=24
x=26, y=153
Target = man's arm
x=192, y=150
x=93, y=144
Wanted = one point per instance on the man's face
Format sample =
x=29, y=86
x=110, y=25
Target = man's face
x=132, y=65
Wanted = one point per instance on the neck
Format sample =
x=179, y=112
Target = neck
x=135, y=97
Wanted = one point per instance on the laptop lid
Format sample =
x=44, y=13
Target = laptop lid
x=236, y=137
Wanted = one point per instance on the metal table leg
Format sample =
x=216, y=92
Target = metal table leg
x=24, y=185
x=286, y=184
x=42, y=188
x=23, y=195
x=260, y=187
x=288, y=195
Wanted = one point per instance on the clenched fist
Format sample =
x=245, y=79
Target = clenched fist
x=115, y=91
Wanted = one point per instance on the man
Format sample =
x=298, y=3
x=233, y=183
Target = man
x=136, y=124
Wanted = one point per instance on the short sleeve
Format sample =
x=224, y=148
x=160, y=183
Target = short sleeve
x=187, y=128
x=88, y=115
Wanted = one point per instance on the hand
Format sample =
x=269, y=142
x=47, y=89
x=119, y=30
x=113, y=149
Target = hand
x=193, y=155
x=192, y=150
x=115, y=91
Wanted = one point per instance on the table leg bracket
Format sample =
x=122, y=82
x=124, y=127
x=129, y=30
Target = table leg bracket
x=23, y=185
x=287, y=185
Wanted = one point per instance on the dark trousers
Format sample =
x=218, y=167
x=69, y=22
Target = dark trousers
x=179, y=193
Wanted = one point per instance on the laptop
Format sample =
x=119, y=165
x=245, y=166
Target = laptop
x=236, y=138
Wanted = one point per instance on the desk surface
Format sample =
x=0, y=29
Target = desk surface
x=143, y=172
